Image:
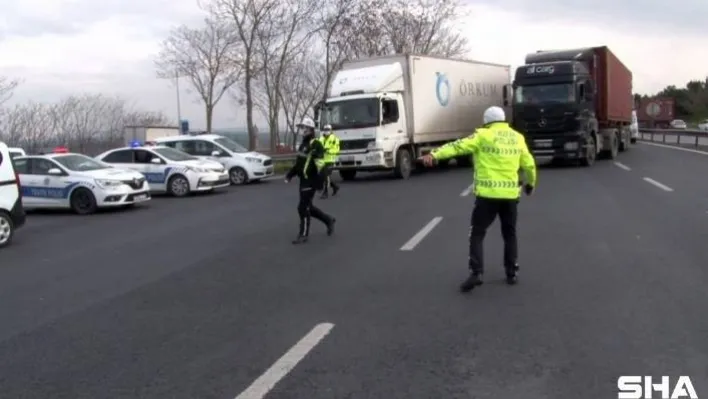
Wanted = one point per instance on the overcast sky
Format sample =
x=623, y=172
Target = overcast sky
x=62, y=47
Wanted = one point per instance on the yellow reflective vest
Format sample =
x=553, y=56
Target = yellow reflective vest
x=331, y=145
x=499, y=152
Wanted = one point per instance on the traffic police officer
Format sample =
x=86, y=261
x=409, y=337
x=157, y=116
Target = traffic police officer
x=308, y=173
x=499, y=152
x=330, y=142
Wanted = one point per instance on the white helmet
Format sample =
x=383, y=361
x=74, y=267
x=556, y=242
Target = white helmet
x=327, y=129
x=307, y=122
x=494, y=114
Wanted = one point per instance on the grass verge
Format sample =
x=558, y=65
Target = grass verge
x=281, y=167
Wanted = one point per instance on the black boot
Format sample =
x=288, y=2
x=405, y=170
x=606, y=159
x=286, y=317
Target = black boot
x=512, y=275
x=330, y=226
x=474, y=280
x=335, y=189
x=324, y=195
x=300, y=240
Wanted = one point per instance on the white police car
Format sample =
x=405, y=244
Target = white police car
x=12, y=215
x=244, y=166
x=168, y=170
x=77, y=182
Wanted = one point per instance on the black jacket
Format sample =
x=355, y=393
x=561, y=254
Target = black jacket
x=309, y=178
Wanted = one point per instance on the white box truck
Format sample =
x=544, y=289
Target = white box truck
x=389, y=110
x=148, y=134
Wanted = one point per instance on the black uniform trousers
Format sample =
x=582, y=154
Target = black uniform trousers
x=483, y=215
x=327, y=176
x=307, y=210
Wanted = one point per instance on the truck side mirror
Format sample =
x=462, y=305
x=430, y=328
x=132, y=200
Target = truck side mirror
x=507, y=93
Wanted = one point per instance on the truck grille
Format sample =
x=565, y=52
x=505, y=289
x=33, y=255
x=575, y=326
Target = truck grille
x=545, y=125
x=268, y=162
x=135, y=183
x=360, y=144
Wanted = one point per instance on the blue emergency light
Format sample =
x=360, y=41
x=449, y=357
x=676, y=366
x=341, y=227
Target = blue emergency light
x=135, y=144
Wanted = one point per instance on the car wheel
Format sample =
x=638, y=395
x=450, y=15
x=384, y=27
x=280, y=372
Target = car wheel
x=7, y=229
x=178, y=186
x=238, y=176
x=83, y=202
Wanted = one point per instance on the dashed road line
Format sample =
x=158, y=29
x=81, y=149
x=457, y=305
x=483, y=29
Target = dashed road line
x=673, y=147
x=657, y=184
x=420, y=235
x=622, y=166
x=266, y=382
x=466, y=192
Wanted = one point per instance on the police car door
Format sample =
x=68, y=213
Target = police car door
x=54, y=188
x=153, y=167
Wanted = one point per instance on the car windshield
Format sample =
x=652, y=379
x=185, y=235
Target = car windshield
x=230, y=144
x=80, y=163
x=15, y=154
x=174, y=155
x=540, y=94
x=351, y=114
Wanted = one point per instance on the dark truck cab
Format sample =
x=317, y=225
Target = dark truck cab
x=573, y=104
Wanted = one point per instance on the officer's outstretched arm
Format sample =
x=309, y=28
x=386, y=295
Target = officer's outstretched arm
x=464, y=146
x=528, y=164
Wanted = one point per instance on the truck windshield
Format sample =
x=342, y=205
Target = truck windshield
x=351, y=114
x=538, y=94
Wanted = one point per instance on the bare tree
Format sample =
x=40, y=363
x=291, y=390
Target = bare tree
x=88, y=123
x=279, y=40
x=246, y=17
x=206, y=57
x=333, y=19
x=381, y=27
x=7, y=88
x=302, y=87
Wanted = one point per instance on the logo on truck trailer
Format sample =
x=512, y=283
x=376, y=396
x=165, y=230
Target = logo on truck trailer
x=442, y=89
x=479, y=89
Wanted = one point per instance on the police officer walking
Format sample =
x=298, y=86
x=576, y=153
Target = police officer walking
x=499, y=152
x=307, y=171
x=330, y=142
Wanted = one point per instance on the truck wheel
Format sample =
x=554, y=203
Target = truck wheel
x=590, y=153
x=444, y=164
x=403, y=164
x=624, y=144
x=83, y=202
x=347, y=174
x=614, y=146
x=465, y=161
x=633, y=140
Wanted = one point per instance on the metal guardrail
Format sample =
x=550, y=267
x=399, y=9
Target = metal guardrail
x=682, y=137
x=283, y=157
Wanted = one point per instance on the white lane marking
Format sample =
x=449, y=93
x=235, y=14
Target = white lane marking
x=419, y=236
x=657, y=184
x=673, y=147
x=622, y=166
x=467, y=191
x=266, y=382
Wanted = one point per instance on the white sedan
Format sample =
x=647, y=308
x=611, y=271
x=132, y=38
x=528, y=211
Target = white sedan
x=678, y=124
x=77, y=182
x=703, y=125
x=168, y=170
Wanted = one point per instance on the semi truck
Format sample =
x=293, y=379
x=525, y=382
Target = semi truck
x=574, y=105
x=389, y=110
x=148, y=134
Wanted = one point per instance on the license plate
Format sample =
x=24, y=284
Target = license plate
x=543, y=143
x=141, y=197
x=346, y=158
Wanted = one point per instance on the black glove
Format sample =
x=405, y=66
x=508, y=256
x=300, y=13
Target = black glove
x=528, y=189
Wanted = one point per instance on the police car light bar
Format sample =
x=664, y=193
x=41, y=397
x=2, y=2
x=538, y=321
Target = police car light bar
x=135, y=144
x=60, y=150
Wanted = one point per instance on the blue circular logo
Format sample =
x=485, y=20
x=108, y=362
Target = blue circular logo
x=442, y=89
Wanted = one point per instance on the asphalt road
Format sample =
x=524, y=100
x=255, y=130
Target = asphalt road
x=199, y=297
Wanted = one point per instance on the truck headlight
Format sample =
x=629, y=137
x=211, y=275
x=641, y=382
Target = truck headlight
x=254, y=160
x=371, y=145
x=572, y=146
x=105, y=183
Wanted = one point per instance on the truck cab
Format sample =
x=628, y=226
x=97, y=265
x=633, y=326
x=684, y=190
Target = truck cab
x=367, y=112
x=553, y=106
x=573, y=105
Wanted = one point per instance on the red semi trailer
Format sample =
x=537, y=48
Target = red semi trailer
x=574, y=104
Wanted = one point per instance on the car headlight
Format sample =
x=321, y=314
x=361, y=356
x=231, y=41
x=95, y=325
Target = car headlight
x=105, y=183
x=254, y=160
x=198, y=169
